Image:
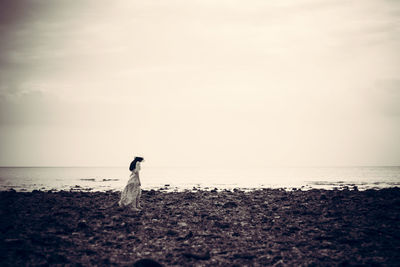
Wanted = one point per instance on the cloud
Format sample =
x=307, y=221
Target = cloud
x=28, y=107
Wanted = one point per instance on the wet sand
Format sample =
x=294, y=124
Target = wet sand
x=202, y=228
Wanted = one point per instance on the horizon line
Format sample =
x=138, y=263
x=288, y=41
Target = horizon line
x=173, y=166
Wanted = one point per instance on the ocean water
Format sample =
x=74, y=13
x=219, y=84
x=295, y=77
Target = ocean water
x=115, y=178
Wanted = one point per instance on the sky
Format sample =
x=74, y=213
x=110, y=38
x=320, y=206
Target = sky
x=200, y=83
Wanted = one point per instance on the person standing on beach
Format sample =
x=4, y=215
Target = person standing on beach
x=130, y=197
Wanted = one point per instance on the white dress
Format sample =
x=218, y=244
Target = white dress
x=131, y=194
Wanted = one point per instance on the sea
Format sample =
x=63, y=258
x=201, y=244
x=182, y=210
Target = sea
x=26, y=179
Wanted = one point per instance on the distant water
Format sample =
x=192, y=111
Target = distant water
x=106, y=178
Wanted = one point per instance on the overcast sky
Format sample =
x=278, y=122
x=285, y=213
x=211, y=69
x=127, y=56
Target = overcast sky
x=197, y=83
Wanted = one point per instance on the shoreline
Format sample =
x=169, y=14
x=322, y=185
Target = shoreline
x=202, y=228
x=104, y=179
x=319, y=185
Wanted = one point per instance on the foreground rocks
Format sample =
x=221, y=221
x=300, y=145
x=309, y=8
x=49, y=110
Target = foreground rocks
x=202, y=228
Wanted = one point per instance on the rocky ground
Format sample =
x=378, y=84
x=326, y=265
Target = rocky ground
x=202, y=228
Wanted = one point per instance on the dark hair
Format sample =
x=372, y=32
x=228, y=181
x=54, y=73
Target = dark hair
x=133, y=163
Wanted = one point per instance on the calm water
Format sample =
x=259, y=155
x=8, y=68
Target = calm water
x=103, y=179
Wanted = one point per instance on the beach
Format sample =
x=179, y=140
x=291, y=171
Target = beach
x=202, y=228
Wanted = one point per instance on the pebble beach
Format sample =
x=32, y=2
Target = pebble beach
x=265, y=227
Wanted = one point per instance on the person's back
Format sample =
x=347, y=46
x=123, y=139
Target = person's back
x=134, y=177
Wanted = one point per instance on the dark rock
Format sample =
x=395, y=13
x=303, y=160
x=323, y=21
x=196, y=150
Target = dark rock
x=212, y=217
x=266, y=219
x=57, y=259
x=221, y=225
x=171, y=233
x=152, y=192
x=147, y=263
x=186, y=237
x=82, y=225
x=244, y=256
x=13, y=242
x=230, y=204
x=189, y=196
x=205, y=256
